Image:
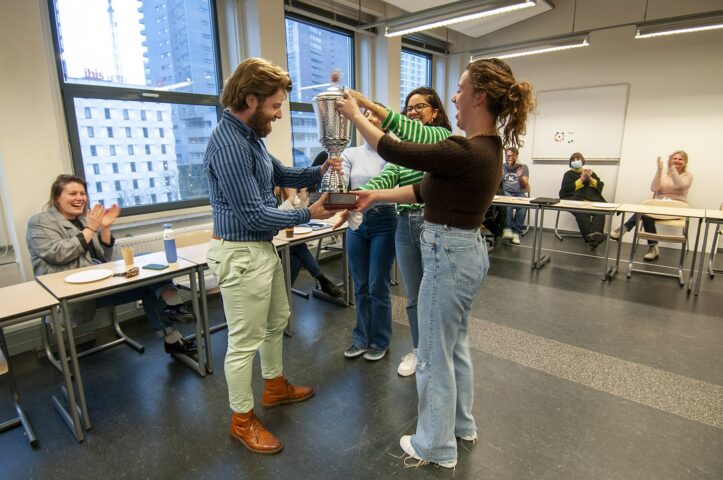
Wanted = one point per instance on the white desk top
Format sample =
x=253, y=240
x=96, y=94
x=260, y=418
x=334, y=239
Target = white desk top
x=654, y=210
x=714, y=214
x=23, y=298
x=315, y=233
x=199, y=252
x=505, y=199
x=55, y=282
x=586, y=205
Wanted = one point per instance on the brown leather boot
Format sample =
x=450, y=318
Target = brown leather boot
x=247, y=429
x=278, y=391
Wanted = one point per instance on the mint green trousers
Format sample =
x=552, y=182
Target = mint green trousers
x=252, y=285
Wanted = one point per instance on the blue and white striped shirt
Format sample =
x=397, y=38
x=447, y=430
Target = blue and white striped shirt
x=241, y=177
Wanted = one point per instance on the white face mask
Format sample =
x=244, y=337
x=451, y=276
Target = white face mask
x=575, y=164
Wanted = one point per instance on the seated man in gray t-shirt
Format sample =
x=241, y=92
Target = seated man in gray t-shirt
x=515, y=183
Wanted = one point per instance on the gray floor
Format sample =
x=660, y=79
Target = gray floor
x=576, y=378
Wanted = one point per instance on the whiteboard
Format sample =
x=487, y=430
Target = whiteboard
x=586, y=120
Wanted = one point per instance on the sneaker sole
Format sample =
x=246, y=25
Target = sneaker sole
x=355, y=355
x=285, y=401
x=262, y=452
x=374, y=359
x=406, y=374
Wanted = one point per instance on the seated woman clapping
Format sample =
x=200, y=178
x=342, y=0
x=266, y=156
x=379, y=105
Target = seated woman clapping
x=70, y=235
x=581, y=183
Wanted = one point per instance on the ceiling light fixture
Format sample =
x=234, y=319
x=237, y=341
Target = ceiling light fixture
x=685, y=24
x=451, y=13
x=535, y=47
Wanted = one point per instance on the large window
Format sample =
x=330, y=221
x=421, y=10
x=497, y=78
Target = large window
x=134, y=69
x=313, y=51
x=416, y=72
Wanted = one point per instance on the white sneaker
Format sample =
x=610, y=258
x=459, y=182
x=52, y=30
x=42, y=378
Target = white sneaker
x=507, y=233
x=469, y=438
x=653, y=253
x=515, y=239
x=406, y=443
x=615, y=234
x=408, y=365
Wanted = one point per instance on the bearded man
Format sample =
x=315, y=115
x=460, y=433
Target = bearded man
x=241, y=176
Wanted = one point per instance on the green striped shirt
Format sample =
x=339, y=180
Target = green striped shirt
x=394, y=175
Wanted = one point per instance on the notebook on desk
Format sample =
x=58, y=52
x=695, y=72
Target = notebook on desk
x=545, y=201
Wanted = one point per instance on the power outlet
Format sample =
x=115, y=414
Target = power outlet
x=139, y=304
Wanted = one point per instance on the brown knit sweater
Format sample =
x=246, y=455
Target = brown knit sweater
x=461, y=180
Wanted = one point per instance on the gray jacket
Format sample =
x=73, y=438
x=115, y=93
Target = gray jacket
x=55, y=246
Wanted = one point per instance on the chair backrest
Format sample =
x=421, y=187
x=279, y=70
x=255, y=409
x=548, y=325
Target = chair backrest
x=192, y=237
x=665, y=203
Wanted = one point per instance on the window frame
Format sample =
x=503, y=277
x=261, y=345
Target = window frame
x=418, y=53
x=70, y=91
x=308, y=107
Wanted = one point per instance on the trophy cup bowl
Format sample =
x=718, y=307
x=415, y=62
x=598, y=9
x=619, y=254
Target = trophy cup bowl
x=334, y=135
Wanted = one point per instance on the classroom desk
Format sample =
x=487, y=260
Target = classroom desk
x=711, y=217
x=516, y=202
x=317, y=235
x=687, y=213
x=26, y=301
x=198, y=254
x=607, y=209
x=68, y=293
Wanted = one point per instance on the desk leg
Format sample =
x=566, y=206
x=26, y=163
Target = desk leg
x=541, y=261
x=607, y=250
x=702, y=257
x=533, y=261
x=71, y=419
x=286, y=255
x=614, y=269
x=199, y=363
x=74, y=363
x=691, y=275
x=204, y=318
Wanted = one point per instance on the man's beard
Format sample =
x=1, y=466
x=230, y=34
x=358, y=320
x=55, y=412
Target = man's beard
x=260, y=124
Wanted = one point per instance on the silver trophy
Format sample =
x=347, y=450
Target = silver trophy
x=334, y=135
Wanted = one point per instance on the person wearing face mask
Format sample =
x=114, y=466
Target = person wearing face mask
x=671, y=181
x=515, y=183
x=71, y=235
x=424, y=106
x=581, y=183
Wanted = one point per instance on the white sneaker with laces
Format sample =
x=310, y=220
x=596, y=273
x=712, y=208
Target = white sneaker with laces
x=653, y=253
x=406, y=443
x=507, y=233
x=515, y=239
x=408, y=365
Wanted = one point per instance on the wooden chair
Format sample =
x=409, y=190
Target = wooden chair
x=663, y=221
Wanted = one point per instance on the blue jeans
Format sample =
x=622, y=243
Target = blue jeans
x=152, y=304
x=302, y=257
x=371, y=253
x=409, y=258
x=648, y=225
x=515, y=219
x=455, y=265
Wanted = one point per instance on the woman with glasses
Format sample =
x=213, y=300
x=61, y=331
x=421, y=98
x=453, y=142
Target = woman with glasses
x=422, y=105
x=462, y=175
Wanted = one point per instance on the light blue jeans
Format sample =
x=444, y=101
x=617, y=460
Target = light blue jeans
x=515, y=219
x=455, y=265
x=409, y=258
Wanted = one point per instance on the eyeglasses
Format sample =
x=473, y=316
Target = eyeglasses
x=418, y=108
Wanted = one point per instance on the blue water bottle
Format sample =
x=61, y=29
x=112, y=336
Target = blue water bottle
x=169, y=242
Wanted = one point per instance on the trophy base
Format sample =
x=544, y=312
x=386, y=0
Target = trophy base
x=336, y=201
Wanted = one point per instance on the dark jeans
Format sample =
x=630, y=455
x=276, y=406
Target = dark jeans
x=648, y=225
x=302, y=257
x=589, y=223
x=152, y=304
x=371, y=253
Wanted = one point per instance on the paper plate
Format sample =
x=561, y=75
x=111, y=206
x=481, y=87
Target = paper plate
x=302, y=230
x=89, y=276
x=602, y=205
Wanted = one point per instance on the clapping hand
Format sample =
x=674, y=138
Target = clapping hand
x=587, y=173
x=94, y=217
x=110, y=216
x=660, y=164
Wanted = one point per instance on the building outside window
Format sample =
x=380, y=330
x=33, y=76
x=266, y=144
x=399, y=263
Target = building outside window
x=416, y=71
x=91, y=132
x=313, y=50
x=137, y=77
